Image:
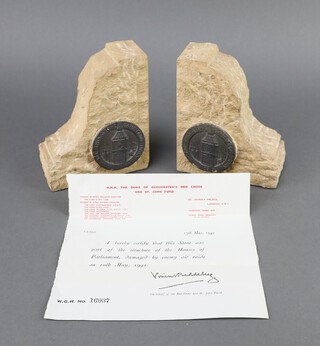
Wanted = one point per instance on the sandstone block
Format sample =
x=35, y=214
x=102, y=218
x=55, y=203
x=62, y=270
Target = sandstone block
x=108, y=131
x=212, y=92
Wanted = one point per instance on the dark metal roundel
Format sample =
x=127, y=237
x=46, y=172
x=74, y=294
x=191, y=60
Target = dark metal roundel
x=118, y=145
x=209, y=147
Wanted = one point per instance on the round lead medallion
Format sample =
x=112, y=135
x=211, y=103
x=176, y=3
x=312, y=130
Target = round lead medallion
x=209, y=147
x=118, y=145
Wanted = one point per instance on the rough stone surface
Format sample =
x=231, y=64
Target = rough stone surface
x=212, y=88
x=113, y=86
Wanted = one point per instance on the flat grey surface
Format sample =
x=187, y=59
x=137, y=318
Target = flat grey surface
x=43, y=47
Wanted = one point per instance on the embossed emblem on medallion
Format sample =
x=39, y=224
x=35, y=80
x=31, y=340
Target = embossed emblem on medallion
x=209, y=147
x=118, y=145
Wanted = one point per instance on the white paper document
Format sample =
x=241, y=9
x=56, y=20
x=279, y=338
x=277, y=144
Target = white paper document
x=158, y=247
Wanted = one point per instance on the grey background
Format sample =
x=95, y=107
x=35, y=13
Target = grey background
x=43, y=47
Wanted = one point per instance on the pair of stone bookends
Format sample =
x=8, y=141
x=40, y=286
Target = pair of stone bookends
x=108, y=131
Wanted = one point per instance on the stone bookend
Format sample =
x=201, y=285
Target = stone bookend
x=216, y=130
x=108, y=131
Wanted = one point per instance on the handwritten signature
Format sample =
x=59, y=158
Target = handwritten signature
x=211, y=279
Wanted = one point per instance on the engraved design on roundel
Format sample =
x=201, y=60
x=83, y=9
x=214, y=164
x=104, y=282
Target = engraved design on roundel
x=209, y=147
x=118, y=145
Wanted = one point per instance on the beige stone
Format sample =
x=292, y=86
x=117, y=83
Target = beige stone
x=113, y=86
x=212, y=88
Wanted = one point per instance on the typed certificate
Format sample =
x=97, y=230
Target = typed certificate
x=158, y=247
